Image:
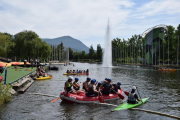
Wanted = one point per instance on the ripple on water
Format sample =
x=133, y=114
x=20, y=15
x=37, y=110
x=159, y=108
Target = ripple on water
x=162, y=88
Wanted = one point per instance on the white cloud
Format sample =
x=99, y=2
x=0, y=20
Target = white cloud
x=86, y=20
x=156, y=7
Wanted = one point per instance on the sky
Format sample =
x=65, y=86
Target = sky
x=86, y=20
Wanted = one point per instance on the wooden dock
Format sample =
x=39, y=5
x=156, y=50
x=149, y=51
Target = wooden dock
x=23, y=84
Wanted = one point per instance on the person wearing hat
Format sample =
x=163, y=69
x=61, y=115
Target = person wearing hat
x=76, y=86
x=105, y=81
x=115, y=87
x=106, y=87
x=85, y=84
x=68, y=85
x=98, y=86
x=92, y=89
x=132, y=96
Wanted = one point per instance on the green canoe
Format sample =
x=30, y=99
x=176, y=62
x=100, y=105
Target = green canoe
x=128, y=105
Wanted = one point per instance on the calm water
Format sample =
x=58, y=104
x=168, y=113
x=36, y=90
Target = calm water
x=162, y=88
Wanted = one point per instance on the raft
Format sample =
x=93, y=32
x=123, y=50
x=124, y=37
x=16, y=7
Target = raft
x=76, y=74
x=173, y=70
x=128, y=105
x=43, y=78
x=82, y=98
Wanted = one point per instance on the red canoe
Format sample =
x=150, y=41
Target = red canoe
x=82, y=98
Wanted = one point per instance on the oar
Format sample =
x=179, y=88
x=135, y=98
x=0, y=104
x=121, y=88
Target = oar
x=101, y=100
x=139, y=94
x=60, y=97
x=55, y=99
x=120, y=96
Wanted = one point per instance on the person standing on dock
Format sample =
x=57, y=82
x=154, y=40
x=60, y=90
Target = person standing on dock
x=132, y=96
x=31, y=61
x=25, y=61
x=35, y=62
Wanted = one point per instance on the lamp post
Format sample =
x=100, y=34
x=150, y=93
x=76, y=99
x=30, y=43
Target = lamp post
x=168, y=49
x=177, y=50
x=159, y=51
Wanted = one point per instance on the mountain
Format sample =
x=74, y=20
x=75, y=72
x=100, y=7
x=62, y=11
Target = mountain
x=68, y=41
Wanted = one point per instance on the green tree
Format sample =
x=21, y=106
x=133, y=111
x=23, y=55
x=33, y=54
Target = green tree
x=29, y=44
x=99, y=52
x=91, y=52
x=6, y=44
x=70, y=54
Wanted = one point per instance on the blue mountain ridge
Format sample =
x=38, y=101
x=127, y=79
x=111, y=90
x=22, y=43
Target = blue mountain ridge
x=68, y=41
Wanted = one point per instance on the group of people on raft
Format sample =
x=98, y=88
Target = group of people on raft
x=77, y=71
x=40, y=72
x=95, y=88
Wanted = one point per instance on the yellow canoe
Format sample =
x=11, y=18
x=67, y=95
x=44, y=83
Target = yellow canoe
x=43, y=78
x=69, y=74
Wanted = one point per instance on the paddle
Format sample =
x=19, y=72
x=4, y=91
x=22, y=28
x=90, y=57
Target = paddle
x=101, y=100
x=120, y=96
x=58, y=97
x=139, y=94
x=55, y=99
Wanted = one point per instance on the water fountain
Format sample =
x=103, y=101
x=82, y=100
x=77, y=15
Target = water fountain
x=107, y=54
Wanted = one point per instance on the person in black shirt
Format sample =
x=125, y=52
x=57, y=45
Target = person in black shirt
x=106, y=87
x=115, y=87
x=92, y=89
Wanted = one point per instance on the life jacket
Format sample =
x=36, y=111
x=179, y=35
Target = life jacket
x=76, y=88
x=115, y=87
x=91, y=91
x=97, y=87
x=131, y=97
x=107, y=87
x=68, y=88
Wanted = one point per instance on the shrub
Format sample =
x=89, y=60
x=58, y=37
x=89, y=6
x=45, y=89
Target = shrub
x=5, y=95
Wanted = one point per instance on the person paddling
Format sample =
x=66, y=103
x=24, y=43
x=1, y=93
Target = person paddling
x=76, y=86
x=106, y=87
x=92, y=89
x=98, y=86
x=85, y=84
x=68, y=85
x=115, y=87
x=132, y=96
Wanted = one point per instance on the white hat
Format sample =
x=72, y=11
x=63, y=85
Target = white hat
x=70, y=77
x=134, y=87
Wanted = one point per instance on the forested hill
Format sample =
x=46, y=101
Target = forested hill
x=68, y=41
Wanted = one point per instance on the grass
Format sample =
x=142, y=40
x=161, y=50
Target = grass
x=13, y=75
